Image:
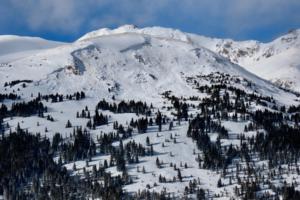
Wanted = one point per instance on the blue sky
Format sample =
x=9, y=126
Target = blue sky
x=66, y=20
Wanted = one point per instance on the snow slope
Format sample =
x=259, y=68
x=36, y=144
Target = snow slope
x=277, y=61
x=15, y=47
x=129, y=63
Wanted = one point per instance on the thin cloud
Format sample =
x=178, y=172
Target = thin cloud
x=232, y=17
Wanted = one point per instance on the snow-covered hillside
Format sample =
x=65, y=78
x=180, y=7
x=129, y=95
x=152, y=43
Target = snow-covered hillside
x=146, y=113
x=128, y=62
x=277, y=61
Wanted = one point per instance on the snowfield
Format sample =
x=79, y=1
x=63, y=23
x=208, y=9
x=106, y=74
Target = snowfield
x=17, y=47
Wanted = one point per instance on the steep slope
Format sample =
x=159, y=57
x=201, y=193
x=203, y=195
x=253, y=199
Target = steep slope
x=130, y=62
x=277, y=61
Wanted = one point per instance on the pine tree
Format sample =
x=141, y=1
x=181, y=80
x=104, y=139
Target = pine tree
x=68, y=125
x=219, y=183
x=159, y=120
x=74, y=167
x=171, y=126
x=147, y=141
x=157, y=163
x=179, y=175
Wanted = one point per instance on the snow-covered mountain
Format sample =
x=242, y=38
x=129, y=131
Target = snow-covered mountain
x=127, y=62
x=277, y=61
x=205, y=128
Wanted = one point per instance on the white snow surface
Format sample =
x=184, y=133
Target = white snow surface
x=277, y=61
x=14, y=47
x=129, y=63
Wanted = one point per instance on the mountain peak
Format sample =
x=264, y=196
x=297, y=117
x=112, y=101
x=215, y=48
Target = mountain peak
x=155, y=31
x=127, y=27
x=292, y=37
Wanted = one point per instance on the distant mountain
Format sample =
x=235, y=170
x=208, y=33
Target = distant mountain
x=14, y=47
x=277, y=61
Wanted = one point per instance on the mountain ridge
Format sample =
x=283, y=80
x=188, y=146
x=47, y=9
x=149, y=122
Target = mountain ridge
x=276, y=61
x=130, y=59
x=261, y=58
